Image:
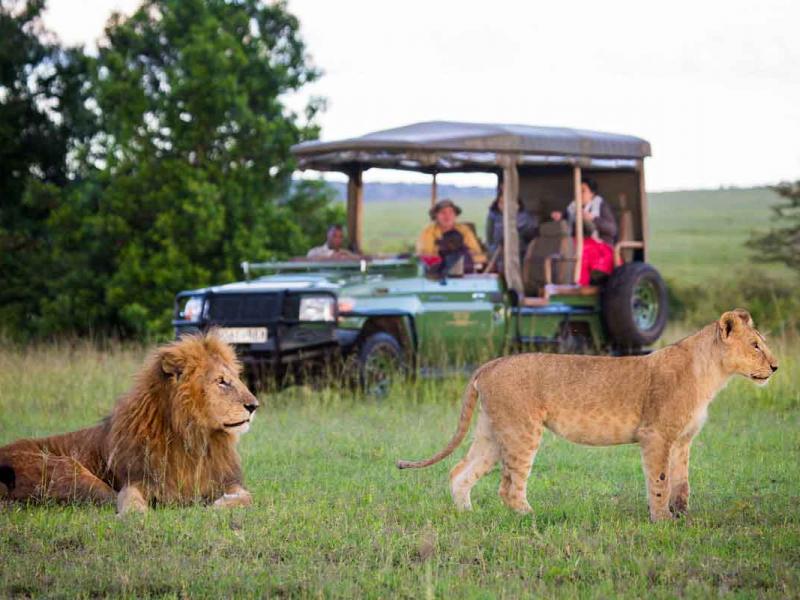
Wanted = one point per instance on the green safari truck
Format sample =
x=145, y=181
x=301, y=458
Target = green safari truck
x=386, y=314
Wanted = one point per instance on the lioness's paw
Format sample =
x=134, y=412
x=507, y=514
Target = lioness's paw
x=679, y=506
x=663, y=515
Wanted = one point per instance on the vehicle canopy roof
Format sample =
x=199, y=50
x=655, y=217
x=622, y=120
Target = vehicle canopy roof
x=441, y=146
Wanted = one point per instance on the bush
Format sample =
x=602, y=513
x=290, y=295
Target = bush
x=773, y=302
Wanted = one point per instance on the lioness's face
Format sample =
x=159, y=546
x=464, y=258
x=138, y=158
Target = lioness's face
x=229, y=404
x=745, y=350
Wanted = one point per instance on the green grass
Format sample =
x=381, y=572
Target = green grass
x=696, y=235
x=333, y=517
x=701, y=235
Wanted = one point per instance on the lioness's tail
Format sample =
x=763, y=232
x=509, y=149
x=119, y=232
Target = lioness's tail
x=468, y=406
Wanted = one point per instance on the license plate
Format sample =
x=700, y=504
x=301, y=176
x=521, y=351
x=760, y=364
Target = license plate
x=243, y=335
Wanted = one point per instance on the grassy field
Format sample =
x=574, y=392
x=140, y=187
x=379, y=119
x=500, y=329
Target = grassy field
x=696, y=235
x=333, y=517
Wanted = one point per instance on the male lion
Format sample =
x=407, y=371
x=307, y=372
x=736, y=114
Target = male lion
x=658, y=401
x=171, y=439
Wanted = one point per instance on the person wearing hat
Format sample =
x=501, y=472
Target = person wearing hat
x=444, y=214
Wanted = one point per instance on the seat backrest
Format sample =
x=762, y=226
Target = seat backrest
x=553, y=239
x=625, y=232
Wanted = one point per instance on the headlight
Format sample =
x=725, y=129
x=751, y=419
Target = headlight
x=192, y=309
x=316, y=308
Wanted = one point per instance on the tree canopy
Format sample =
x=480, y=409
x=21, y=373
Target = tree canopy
x=782, y=242
x=33, y=147
x=174, y=162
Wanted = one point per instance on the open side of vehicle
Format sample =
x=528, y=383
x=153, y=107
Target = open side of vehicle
x=542, y=167
x=383, y=309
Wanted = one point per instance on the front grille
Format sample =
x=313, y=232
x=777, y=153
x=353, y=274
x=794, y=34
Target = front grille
x=244, y=308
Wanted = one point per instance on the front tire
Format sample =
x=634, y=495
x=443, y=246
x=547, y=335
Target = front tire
x=635, y=306
x=381, y=361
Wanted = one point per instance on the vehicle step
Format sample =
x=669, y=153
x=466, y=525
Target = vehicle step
x=550, y=310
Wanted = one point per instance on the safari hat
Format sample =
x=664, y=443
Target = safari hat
x=444, y=203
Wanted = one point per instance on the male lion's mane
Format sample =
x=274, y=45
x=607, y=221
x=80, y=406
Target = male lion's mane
x=158, y=436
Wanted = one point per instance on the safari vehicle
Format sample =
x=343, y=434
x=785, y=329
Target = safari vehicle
x=382, y=313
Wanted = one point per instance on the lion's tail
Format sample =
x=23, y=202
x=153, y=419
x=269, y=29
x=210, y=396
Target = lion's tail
x=467, y=408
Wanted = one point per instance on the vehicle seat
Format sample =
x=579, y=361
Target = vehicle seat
x=553, y=241
x=625, y=228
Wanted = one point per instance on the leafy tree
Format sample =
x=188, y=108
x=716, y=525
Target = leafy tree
x=33, y=148
x=782, y=242
x=189, y=170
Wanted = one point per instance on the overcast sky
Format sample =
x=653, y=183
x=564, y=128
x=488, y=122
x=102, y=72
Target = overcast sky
x=714, y=86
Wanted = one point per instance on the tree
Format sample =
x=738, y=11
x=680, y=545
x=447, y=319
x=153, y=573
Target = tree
x=782, y=242
x=189, y=170
x=33, y=148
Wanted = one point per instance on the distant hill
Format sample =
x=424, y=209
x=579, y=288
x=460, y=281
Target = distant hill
x=404, y=191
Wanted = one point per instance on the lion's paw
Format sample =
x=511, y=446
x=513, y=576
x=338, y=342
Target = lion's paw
x=130, y=500
x=239, y=498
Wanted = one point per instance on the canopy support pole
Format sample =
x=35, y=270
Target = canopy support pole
x=355, y=209
x=434, y=190
x=576, y=182
x=511, y=266
x=643, y=204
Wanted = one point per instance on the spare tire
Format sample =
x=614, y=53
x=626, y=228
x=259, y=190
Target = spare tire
x=635, y=306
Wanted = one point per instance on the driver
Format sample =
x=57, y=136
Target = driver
x=332, y=248
x=444, y=214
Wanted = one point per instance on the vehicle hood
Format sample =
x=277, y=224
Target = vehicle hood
x=350, y=285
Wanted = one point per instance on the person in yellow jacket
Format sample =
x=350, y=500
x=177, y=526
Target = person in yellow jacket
x=444, y=214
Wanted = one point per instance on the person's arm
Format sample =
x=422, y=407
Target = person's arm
x=471, y=242
x=606, y=222
x=426, y=244
x=345, y=254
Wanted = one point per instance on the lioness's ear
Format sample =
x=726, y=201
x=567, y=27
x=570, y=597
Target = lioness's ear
x=744, y=316
x=171, y=363
x=732, y=320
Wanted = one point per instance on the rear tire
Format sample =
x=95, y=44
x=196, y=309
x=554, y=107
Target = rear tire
x=381, y=361
x=635, y=306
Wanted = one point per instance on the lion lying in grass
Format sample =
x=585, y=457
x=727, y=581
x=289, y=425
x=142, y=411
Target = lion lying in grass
x=658, y=401
x=171, y=439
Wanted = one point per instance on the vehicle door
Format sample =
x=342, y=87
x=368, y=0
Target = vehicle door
x=463, y=320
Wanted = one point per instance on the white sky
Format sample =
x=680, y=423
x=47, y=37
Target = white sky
x=714, y=85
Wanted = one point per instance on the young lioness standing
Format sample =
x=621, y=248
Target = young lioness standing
x=658, y=401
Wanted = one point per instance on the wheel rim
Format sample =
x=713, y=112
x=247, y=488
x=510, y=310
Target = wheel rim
x=645, y=304
x=380, y=366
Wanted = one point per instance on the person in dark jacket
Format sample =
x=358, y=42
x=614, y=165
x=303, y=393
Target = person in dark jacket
x=527, y=228
x=598, y=215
